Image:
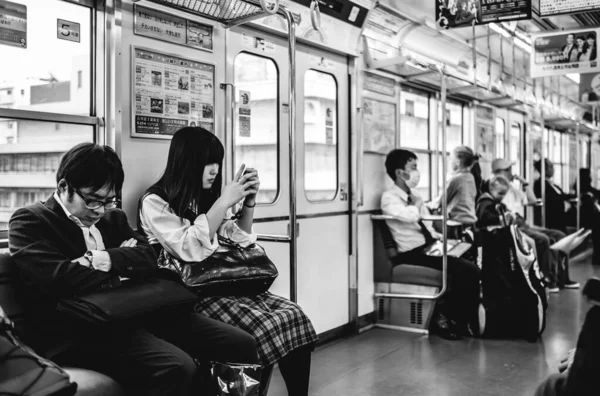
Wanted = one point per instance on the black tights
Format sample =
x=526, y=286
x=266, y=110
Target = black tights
x=295, y=370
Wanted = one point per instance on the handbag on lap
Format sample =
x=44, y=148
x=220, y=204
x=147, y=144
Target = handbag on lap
x=232, y=270
x=24, y=373
x=133, y=299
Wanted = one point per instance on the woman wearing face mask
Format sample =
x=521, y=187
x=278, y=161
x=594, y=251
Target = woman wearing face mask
x=458, y=310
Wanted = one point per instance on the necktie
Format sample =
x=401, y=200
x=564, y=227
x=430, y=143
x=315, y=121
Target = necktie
x=428, y=237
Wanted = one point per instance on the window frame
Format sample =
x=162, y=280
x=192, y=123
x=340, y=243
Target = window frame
x=277, y=134
x=97, y=39
x=337, y=139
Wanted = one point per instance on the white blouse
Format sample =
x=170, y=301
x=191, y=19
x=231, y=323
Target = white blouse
x=184, y=240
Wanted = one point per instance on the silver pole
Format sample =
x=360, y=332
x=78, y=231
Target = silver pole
x=292, y=148
x=443, y=89
x=543, y=157
x=578, y=188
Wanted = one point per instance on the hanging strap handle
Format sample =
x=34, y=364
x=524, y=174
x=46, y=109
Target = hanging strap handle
x=315, y=15
x=271, y=8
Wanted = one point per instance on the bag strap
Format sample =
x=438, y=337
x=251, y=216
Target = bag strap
x=5, y=322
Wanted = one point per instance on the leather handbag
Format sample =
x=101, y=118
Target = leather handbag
x=133, y=299
x=23, y=372
x=232, y=270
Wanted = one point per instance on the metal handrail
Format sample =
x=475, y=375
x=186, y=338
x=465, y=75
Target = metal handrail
x=444, y=207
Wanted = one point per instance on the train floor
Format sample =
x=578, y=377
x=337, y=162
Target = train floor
x=385, y=362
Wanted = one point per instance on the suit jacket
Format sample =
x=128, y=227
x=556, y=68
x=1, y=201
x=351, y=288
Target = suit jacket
x=43, y=242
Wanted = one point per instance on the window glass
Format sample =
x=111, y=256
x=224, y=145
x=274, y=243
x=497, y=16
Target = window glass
x=454, y=123
x=500, y=138
x=414, y=120
x=44, y=75
x=514, y=147
x=555, y=155
x=256, y=137
x=320, y=136
x=424, y=166
x=30, y=153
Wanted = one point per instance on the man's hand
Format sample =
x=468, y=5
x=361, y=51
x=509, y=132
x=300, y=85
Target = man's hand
x=129, y=243
x=567, y=361
x=417, y=201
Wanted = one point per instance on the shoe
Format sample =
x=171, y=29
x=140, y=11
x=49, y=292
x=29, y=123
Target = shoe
x=572, y=285
x=553, y=288
x=445, y=329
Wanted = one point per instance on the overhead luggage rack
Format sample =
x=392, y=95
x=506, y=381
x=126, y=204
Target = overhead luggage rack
x=228, y=12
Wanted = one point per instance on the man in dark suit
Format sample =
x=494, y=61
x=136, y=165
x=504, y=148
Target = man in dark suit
x=78, y=242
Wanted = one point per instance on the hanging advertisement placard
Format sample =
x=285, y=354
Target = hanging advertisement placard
x=460, y=13
x=159, y=25
x=554, y=7
x=169, y=93
x=558, y=53
x=13, y=24
x=589, y=87
x=380, y=84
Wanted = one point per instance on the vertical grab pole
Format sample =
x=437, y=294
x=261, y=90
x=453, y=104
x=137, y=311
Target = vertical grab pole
x=443, y=92
x=543, y=156
x=292, y=148
x=578, y=188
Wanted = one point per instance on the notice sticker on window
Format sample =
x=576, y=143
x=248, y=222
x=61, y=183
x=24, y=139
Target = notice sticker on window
x=70, y=31
x=244, y=123
x=13, y=24
x=353, y=14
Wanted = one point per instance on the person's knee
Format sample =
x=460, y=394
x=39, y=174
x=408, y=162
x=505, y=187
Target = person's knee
x=246, y=347
x=178, y=374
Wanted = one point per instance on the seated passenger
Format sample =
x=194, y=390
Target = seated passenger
x=412, y=237
x=78, y=242
x=185, y=210
x=488, y=214
x=462, y=190
x=555, y=200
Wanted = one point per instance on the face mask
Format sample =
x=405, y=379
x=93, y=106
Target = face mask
x=414, y=177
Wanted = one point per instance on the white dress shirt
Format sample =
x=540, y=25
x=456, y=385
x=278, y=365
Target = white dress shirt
x=406, y=229
x=185, y=240
x=93, y=241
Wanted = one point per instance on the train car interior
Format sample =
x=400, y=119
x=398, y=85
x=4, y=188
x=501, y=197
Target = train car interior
x=429, y=170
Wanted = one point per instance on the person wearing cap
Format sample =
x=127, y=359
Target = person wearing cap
x=519, y=194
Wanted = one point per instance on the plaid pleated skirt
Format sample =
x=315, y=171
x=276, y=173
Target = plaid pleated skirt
x=277, y=324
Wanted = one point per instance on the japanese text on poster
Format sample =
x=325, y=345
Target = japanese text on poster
x=379, y=126
x=163, y=26
x=460, y=13
x=554, y=7
x=13, y=24
x=170, y=93
x=559, y=53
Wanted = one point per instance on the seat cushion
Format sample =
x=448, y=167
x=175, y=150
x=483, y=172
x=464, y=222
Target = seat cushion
x=416, y=275
x=92, y=383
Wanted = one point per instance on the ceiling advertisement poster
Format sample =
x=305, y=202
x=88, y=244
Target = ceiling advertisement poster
x=564, y=52
x=460, y=13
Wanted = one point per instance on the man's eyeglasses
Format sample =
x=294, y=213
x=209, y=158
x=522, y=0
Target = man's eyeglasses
x=93, y=204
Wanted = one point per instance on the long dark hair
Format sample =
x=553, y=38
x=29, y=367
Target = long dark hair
x=192, y=148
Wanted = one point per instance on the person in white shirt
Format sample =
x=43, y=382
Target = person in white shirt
x=520, y=194
x=412, y=236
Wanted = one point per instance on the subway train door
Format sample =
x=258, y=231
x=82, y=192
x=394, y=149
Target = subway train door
x=256, y=133
x=322, y=187
x=257, y=94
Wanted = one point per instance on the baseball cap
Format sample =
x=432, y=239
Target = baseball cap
x=501, y=164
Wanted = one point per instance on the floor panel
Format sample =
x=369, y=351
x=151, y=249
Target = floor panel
x=386, y=362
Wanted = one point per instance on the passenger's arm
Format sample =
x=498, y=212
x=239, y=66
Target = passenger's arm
x=188, y=242
x=393, y=206
x=134, y=257
x=42, y=263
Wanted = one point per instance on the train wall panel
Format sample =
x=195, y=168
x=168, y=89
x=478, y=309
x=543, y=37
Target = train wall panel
x=366, y=286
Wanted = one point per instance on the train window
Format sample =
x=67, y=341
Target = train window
x=454, y=127
x=45, y=72
x=500, y=138
x=424, y=164
x=256, y=132
x=320, y=136
x=30, y=153
x=414, y=120
x=514, y=147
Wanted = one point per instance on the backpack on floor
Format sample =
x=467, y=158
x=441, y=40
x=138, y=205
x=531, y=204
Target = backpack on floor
x=24, y=373
x=513, y=296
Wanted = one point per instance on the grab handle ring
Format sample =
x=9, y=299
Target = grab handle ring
x=315, y=15
x=270, y=9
